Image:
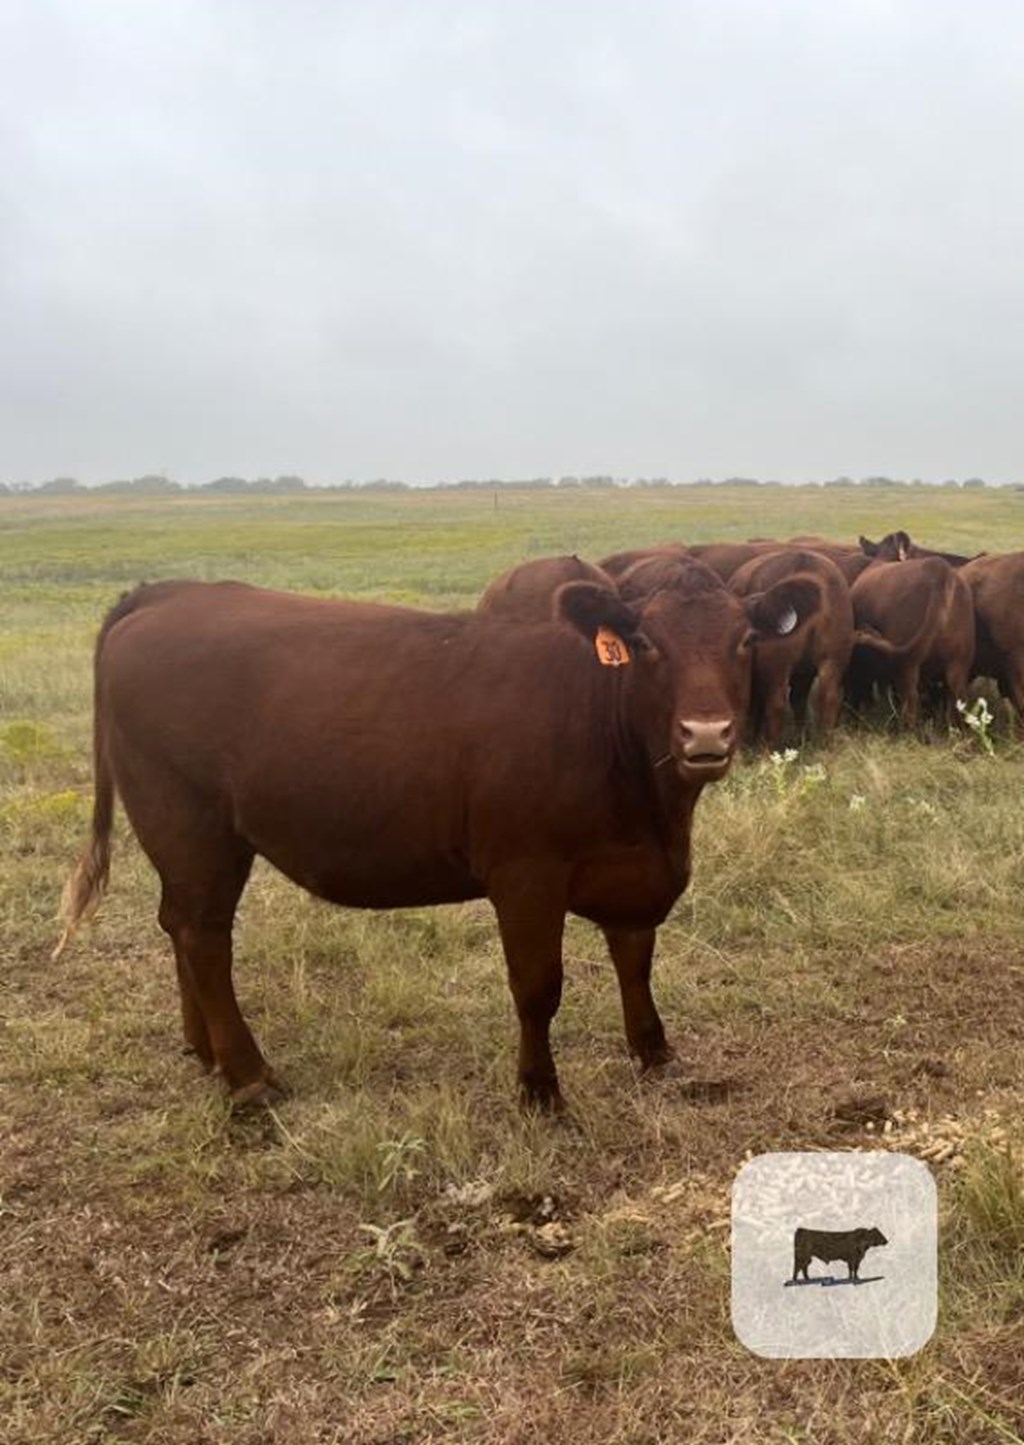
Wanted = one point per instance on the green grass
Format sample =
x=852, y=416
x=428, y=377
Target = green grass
x=395, y=1253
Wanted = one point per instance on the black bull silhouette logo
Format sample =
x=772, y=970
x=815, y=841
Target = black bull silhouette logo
x=849, y=1245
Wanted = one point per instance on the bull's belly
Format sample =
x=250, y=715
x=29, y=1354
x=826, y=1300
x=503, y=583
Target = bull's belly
x=376, y=880
x=344, y=857
x=423, y=890
x=627, y=893
x=405, y=860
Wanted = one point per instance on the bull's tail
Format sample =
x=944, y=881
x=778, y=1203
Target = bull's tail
x=85, y=888
x=88, y=883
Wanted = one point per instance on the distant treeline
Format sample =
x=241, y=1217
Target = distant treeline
x=155, y=485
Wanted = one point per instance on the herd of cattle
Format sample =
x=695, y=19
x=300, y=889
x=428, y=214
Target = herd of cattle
x=893, y=616
x=544, y=751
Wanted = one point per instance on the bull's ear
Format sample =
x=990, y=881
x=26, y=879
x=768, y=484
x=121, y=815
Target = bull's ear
x=588, y=606
x=870, y=549
x=784, y=607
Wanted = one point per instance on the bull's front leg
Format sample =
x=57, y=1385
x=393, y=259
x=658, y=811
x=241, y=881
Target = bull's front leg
x=531, y=918
x=632, y=952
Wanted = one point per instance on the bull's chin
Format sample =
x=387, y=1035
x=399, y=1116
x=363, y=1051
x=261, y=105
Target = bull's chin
x=704, y=767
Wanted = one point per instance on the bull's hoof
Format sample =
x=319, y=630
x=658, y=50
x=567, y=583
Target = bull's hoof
x=661, y=1062
x=260, y=1094
x=541, y=1097
x=203, y=1056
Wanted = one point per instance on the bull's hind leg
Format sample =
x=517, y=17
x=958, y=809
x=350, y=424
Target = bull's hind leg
x=197, y=1037
x=908, y=687
x=203, y=867
x=1011, y=685
x=197, y=910
x=632, y=952
x=957, y=680
x=1009, y=679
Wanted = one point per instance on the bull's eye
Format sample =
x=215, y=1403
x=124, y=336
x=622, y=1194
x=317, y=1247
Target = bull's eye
x=747, y=641
x=644, y=647
x=786, y=622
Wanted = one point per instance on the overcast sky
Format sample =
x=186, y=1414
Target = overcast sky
x=433, y=239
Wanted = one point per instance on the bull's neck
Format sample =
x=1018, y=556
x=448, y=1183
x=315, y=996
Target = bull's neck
x=647, y=779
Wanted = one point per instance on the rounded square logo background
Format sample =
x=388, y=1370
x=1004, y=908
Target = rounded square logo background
x=891, y=1312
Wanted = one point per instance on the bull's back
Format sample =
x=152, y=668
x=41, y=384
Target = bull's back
x=726, y=558
x=525, y=593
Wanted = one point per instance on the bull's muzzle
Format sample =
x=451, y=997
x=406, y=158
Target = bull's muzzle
x=707, y=745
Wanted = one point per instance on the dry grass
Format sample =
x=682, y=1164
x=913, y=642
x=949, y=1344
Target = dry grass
x=395, y=1253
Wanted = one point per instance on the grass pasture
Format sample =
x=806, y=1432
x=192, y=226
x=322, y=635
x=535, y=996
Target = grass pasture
x=395, y=1254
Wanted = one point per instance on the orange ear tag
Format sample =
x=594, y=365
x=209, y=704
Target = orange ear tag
x=610, y=648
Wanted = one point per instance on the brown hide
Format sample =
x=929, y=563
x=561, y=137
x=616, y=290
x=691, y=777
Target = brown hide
x=850, y=559
x=819, y=650
x=526, y=593
x=915, y=625
x=725, y=558
x=620, y=562
x=997, y=591
x=384, y=757
x=665, y=567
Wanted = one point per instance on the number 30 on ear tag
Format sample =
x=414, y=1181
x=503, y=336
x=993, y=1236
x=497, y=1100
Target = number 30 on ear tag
x=610, y=648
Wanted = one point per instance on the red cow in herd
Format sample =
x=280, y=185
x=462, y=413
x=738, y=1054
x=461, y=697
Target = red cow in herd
x=997, y=590
x=915, y=627
x=525, y=593
x=818, y=652
x=384, y=757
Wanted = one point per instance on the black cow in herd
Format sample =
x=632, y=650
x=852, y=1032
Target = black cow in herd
x=384, y=757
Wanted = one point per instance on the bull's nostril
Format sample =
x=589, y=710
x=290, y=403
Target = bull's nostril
x=714, y=737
